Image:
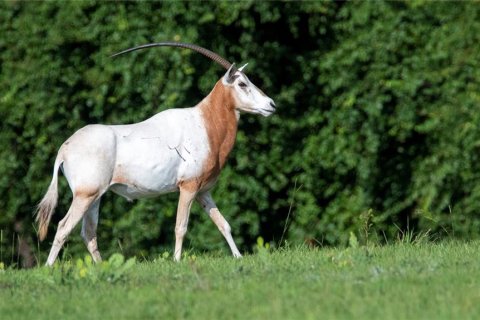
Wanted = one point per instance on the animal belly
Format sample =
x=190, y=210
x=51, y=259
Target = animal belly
x=136, y=181
x=133, y=191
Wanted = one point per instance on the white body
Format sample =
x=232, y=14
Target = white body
x=176, y=150
x=143, y=159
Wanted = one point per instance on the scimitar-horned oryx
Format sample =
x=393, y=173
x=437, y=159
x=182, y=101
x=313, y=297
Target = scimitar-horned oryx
x=175, y=150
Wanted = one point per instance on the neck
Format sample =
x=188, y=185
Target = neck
x=221, y=121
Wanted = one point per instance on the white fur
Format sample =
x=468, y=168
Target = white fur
x=152, y=156
x=160, y=152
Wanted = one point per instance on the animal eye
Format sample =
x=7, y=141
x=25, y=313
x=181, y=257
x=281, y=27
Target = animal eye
x=242, y=84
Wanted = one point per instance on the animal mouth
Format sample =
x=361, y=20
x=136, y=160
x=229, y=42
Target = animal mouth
x=267, y=111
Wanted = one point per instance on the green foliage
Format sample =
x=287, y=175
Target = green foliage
x=112, y=270
x=378, y=113
x=397, y=281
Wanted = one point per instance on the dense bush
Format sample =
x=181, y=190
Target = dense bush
x=377, y=123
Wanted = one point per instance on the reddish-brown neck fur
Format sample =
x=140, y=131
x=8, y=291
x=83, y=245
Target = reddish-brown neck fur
x=221, y=122
x=219, y=115
x=218, y=111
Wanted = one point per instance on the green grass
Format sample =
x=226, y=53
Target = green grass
x=400, y=281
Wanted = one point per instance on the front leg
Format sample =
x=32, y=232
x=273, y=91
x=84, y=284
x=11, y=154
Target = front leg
x=183, y=212
x=206, y=200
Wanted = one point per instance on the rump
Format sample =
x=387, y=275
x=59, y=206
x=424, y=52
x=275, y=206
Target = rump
x=89, y=159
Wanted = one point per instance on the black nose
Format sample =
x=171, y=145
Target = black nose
x=272, y=104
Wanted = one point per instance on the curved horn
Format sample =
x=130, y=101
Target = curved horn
x=210, y=54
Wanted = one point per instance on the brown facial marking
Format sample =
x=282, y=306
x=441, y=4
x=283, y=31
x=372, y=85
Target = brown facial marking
x=218, y=111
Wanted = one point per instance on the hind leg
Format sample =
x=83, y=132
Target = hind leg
x=80, y=204
x=89, y=161
x=89, y=230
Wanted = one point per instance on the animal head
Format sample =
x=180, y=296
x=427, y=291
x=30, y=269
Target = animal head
x=247, y=97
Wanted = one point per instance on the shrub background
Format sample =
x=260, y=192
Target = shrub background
x=376, y=130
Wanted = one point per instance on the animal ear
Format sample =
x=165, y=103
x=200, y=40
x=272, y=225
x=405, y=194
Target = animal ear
x=242, y=67
x=230, y=76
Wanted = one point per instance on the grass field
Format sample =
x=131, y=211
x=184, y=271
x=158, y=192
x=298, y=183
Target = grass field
x=398, y=281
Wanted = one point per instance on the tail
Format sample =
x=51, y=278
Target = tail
x=47, y=206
